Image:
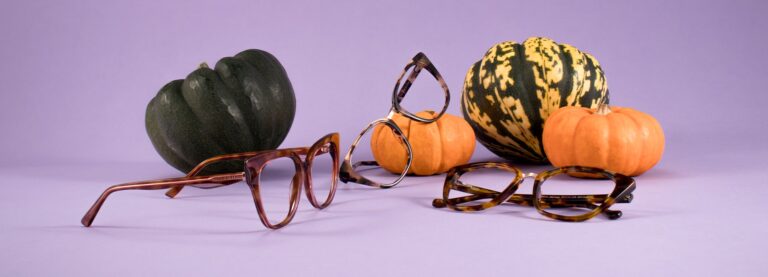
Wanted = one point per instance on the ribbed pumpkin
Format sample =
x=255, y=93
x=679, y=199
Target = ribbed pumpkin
x=512, y=90
x=436, y=146
x=246, y=103
x=618, y=139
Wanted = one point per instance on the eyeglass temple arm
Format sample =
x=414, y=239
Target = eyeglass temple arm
x=347, y=173
x=158, y=184
x=547, y=198
x=527, y=200
x=171, y=193
x=554, y=201
x=365, y=163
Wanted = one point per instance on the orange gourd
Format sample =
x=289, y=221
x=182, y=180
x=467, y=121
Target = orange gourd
x=436, y=146
x=621, y=140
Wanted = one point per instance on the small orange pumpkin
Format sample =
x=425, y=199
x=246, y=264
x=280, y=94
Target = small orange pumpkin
x=621, y=140
x=436, y=146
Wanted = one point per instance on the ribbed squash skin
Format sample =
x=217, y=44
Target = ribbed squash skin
x=246, y=103
x=437, y=146
x=511, y=91
x=622, y=140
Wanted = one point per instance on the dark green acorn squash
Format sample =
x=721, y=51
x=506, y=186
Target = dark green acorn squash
x=511, y=91
x=245, y=103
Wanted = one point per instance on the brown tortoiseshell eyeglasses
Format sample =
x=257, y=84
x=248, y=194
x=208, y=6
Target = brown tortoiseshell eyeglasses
x=560, y=198
x=276, y=191
x=348, y=171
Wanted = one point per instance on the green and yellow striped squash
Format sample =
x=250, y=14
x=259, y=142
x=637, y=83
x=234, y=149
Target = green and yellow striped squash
x=512, y=90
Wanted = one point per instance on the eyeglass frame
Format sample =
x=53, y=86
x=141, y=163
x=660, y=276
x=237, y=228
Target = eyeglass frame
x=347, y=172
x=599, y=203
x=254, y=163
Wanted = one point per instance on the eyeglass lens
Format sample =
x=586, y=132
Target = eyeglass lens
x=275, y=188
x=494, y=180
x=585, y=195
x=387, y=148
x=424, y=94
x=322, y=173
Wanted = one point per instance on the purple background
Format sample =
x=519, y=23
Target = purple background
x=75, y=79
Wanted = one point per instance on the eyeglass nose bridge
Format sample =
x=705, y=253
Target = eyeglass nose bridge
x=524, y=176
x=529, y=175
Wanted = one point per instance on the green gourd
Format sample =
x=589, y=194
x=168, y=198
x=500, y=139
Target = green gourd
x=511, y=91
x=245, y=103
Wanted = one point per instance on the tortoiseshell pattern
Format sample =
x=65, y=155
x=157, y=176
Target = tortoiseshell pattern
x=348, y=171
x=254, y=164
x=598, y=203
x=221, y=158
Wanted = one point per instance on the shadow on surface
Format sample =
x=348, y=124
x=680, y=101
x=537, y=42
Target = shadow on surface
x=509, y=209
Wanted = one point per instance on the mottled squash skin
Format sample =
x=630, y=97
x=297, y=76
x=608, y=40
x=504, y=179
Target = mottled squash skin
x=245, y=103
x=512, y=90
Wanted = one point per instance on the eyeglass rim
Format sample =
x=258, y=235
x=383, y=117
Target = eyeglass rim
x=253, y=170
x=174, y=185
x=419, y=61
x=301, y=177
x=624, y=185
x=452, y=179
x=333, y=141
x=347, y=172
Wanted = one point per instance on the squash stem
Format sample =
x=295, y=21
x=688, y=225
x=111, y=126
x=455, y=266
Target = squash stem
x=203, y=65
x=603, y=109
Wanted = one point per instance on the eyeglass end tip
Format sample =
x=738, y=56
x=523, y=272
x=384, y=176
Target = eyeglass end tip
x=438, y=203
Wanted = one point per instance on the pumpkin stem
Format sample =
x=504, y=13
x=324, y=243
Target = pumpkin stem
x=603, y=109
x=203, y=65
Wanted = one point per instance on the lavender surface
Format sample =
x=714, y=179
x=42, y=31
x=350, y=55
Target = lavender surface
x=75, y=79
